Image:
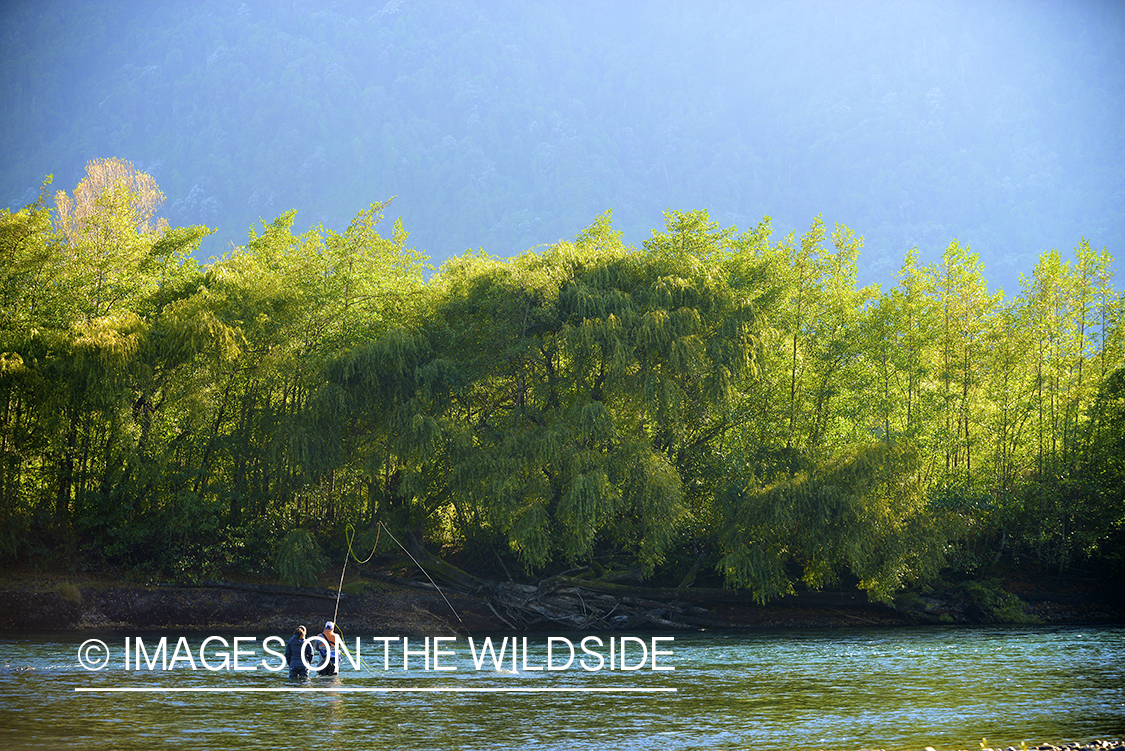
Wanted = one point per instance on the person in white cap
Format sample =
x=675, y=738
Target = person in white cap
x=329, y=635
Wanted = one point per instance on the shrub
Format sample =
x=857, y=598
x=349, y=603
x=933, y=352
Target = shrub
x=69, y=592
x=299, y=559
x=1000, y=606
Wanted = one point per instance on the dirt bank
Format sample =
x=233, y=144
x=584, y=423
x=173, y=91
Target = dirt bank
x=98, y=603
x=384, y=605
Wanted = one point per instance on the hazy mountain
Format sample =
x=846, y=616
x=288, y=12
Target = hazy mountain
x=507, y=125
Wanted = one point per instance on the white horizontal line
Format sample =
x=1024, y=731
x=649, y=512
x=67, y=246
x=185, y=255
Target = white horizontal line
x=371, y=690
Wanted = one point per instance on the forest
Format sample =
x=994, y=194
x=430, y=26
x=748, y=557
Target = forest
x=718, y=402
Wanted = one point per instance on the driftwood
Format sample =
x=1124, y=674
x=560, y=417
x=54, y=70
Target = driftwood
x=581, y=604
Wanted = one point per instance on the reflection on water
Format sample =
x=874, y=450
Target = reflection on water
x=841, y=689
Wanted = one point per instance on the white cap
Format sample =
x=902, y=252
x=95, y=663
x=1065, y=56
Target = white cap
x=328, y=625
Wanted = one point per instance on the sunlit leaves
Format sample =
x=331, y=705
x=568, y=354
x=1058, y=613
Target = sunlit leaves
x=712, y=394
x=109, y=231
x=864, y=513
x=559, y=391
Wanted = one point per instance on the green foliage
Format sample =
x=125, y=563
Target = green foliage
x=556, y=401
x=999, y=606
x=713, y=396
x=865, y=514
x=357, y=588
x=69, y=592
x=299, y=559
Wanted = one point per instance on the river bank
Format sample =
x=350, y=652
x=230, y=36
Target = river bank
x=33, y=601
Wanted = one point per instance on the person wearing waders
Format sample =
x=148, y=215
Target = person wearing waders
x=298, y=668
x=333, y=652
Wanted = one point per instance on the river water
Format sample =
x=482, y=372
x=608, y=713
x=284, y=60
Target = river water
x=830, y=689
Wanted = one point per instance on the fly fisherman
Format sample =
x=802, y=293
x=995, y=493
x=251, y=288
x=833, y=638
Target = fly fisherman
x=298, y=667
x=333, y=652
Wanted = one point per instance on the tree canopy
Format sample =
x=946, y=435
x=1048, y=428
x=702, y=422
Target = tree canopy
x=714, y=396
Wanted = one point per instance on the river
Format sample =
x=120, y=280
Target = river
x=838, y=689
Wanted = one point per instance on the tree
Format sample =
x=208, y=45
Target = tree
x=25, y=259
x=966, y=307
x=557, y=402
x=899, y=335
x=863, y=512
x=109, y=231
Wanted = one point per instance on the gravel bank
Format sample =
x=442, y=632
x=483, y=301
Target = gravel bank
x=1098, y=745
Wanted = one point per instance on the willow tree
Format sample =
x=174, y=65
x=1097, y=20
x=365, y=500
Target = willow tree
x=864, y=513
x=294, y=302
x=555, y=403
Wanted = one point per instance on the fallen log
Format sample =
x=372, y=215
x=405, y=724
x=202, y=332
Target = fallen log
x=579, y=604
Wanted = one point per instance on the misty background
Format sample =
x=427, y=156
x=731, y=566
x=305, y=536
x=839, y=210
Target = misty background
x=503, y=126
